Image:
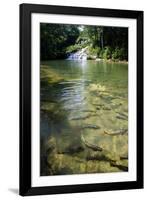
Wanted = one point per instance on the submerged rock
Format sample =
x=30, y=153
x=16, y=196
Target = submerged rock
x=48, y=106
x=97, y=88
x=49, y=76
x=107, y=97
x=51, y=145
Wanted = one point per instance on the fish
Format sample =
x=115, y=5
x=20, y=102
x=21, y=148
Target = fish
x=90, y=146
x=121, y=167
x=97, y=104
x=115, y=133
x=91, y=126
x=78, y=118
x=92, y=111
x=71, y=150
x=121, y=117
x=106, y=108
x=122, y=114
x=102, y=107
x=123, y=157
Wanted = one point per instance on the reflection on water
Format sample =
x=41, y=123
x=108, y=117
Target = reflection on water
x=84, y=117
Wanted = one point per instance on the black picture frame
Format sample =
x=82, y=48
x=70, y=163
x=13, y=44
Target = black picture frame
x=25, y=187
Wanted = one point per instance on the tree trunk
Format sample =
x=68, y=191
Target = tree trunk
x=102, y=39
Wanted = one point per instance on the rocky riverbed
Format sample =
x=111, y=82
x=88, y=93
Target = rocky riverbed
x=84, y=120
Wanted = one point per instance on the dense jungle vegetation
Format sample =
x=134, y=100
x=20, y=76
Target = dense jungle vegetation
x=59, y=40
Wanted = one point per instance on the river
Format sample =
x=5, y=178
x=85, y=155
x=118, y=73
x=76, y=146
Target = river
x=83, y=104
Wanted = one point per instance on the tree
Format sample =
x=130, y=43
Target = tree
x=59, y=39
x=55, y=38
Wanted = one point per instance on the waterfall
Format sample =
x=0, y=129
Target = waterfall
x=79, y=55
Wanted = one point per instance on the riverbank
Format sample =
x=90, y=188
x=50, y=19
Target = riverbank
x=112, y=61
x=96, y=59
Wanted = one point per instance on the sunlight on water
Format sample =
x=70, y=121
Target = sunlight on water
x=84, y=117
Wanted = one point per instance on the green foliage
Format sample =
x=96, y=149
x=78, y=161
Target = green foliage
x=58, y=40
x=107, y=53
x=55, y=38
x=94, y=51
x=115, y=54
x=119, y=54
x=74, y=48
x=101, y=53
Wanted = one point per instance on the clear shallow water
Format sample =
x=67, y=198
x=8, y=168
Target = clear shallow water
x=83, y=102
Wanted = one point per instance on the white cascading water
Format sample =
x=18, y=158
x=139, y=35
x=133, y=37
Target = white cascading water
x=79, y=55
